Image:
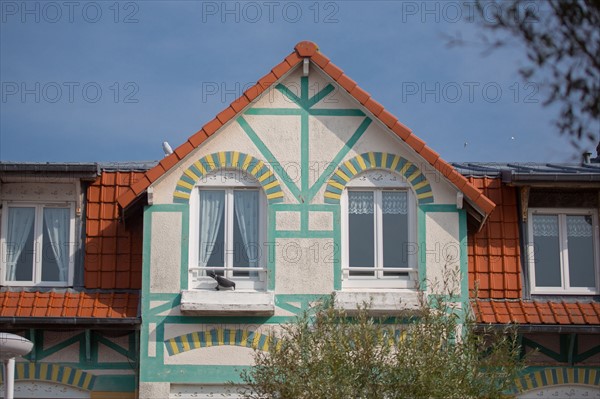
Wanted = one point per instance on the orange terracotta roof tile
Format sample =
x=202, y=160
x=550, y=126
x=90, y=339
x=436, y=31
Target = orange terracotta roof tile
x=68, y=304
x=112, y=246
x=309, y=50
x=495, y=261
x=536, y=312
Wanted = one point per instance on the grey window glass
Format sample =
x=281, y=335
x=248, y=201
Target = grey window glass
x=581, y=251
x=395, y=230
x=361, y=231
x=547, y=251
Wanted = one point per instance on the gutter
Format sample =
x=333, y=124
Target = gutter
x=508, y=176
x=543, y=328
x=20, y=322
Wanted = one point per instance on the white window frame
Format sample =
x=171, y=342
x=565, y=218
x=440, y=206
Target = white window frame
x=562, y=214
x=229, y=181
x=379, y=181
x=38, y=243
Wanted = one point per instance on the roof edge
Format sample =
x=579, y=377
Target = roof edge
x=303, y=50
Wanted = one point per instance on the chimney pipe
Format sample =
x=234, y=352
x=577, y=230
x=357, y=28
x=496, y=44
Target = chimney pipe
x=587, y=156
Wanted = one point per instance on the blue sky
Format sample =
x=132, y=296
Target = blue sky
x=105, y=81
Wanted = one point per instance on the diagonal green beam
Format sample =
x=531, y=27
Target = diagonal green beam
x=117, y=348
x=269, y=157
x=288, y=93
x=320, y=95
x=338, y=158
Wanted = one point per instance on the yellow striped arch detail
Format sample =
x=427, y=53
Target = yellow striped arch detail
x=349, y=169
x=557, y=376
x=53, y=373
x=228, y=160
x=217, y=337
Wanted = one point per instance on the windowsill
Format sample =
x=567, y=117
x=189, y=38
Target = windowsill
x=227, y=303
x=381, y=301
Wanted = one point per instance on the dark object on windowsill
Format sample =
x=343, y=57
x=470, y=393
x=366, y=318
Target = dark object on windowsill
x=222, y=282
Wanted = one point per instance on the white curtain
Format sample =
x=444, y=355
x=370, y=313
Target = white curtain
x=545, y=225
x=360, y=202
x=394, y=203
x=56, y=225
x=20, y=223
x=579, y=226
x=246, y=213
x=211, y=217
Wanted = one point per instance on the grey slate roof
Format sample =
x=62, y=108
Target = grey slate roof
x=531, y=170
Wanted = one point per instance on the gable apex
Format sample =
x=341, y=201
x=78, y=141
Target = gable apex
x=309, y=50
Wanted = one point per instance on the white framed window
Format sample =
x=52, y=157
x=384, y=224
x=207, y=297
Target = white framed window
x=228, y=224
x=563, y=251
x=379, y=233
x=37, y=244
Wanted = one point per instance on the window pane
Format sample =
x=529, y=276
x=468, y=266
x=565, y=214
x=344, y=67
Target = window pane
x=581, y=251
x=547, y=251
x=245, y=230
x=55, y=244
x=19, y=244
x=212, y=229
x=395, y=230
x=361, y=230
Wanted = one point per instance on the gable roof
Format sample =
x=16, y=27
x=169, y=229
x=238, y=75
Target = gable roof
x=309, y=50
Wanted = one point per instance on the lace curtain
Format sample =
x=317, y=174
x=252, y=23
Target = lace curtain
x=579, y=226
x=545, y=225
x=394, y=203
x=360, y=202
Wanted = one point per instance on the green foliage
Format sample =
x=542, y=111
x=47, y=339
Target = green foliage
x=430, y=353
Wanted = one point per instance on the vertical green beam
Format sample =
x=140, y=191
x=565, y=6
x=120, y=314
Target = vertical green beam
x=32, y=354
x=271, y=247
x=88, y=345
x=304, y=140
x=422, y=260
x=337, y=248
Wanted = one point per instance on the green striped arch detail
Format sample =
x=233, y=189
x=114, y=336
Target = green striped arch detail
x=557, y=376
x=228, y=160
x=218, y=337
x=377, y=160
x=54, y=373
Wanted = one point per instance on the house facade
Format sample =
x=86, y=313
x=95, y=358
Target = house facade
x=70, y=278
x=303, y=187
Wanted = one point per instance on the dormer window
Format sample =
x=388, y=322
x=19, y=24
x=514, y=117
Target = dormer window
x=563, y=251
x=37, y=244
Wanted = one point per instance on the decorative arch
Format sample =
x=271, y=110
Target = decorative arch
x=228, y=159
x=217, y=337
x=557, y=376
x=377, y=160
x=54, y=373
